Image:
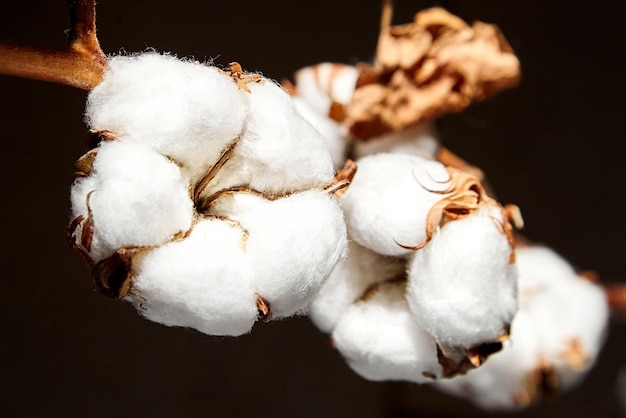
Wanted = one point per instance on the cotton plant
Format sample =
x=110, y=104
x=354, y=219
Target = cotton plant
x=212, y=198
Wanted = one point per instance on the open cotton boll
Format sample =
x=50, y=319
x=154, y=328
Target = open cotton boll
x=388, y=201
x=420, y=140
x=570, y=313
x=293, y=244
x=462, y=285
x=137, y=198
x=185, y=110
x=381, y=340
x=326, y=83
x=203, y=282
x=555, y=337
x=348, y=281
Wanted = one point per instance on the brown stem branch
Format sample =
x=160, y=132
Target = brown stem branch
x=616, y=295
x=81, y=64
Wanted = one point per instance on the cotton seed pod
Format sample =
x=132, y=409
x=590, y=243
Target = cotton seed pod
x=289, y=251
x=420, y=140
x=200, y=197
x=555, y=337
x=348, y=281
x=381, y=340
x=462, y=284
x=387, y=203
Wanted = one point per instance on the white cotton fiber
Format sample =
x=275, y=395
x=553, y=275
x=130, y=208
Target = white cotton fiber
x=335, y=134
x=184, y=110
x=203, y=282
x=420, y=140
x=322, y=84
x=293, y=244
x=555, y=336
x=138, y=198
x=348, y=281
x=281, y=150
x=503, y=381
x=388, y=201
x=381, y=341
x=462, y=287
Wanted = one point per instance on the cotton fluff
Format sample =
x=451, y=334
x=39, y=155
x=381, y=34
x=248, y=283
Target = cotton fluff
x=203, y=281
x=555, y=337
x=387, y=203
x=462, y=285
x=381, y=340
x=420, y=140
x=293, y=244
x=348, y=281
x=136, y=197
x=184, y=110
x=279, y=152
x=319, y=89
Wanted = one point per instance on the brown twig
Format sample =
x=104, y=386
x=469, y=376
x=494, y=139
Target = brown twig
x=81, y=64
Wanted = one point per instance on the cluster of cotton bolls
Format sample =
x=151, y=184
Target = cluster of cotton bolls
x=208, y=202
x=434, y=288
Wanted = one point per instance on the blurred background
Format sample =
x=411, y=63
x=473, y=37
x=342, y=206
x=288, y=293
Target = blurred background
x=554, y=146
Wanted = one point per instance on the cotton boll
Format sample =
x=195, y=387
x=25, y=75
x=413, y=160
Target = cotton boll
x=326, y=83
x=348, y=281
x=388, y=201
x=203, y=282
x=293, y=244
x=462, y=286
x=420, y=140
x=283, y=151
x=137, y=198
x=555, y=337
x=381, y=341
x=186, y=111
x=569, y=312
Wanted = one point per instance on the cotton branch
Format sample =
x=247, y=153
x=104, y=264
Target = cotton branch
x=81, y=64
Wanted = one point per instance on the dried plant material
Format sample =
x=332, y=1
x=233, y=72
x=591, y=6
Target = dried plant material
x=555, y=337
x=435, y=65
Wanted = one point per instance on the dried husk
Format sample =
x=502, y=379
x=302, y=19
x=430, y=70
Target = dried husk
x=435, y=65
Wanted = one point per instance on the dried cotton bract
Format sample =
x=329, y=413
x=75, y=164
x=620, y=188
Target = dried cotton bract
x=208, y=201
x=555, y=337
x=432, y=267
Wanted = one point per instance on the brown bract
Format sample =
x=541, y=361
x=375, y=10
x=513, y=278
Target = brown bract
x=437, y=64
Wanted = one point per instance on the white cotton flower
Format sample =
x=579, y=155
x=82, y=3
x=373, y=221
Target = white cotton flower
x=462, y=284
x=420, y=140
x=203, y=281
x=186, y=111
x=136, y=197
x=387, y=203
x=348, y=281
x=555, y=337
x=209, y=198
x=381, y=340
x=293, y=244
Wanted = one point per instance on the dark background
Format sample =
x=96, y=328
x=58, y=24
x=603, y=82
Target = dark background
x=554, y=146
